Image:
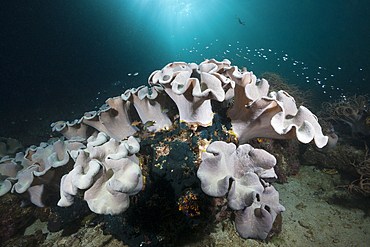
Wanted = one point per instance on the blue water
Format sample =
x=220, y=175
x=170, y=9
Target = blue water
x=60, y=59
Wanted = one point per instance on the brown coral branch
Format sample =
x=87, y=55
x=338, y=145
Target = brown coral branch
x=361, y=185
x=352, y=110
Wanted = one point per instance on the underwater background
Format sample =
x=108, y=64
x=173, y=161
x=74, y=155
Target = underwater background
x=60, y=59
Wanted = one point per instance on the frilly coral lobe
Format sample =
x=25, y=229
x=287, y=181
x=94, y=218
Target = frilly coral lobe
x=240, y=173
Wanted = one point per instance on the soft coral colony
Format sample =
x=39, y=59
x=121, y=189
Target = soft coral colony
x=200, y=118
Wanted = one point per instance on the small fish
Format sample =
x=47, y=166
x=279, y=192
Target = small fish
x=129, y=74
x=238, y=55
x=330, y=171
x=246, y=57
x=135, y=123
x=240, y=22
x=116, y=83
x=136, y=73
x=145, y=135
x=164, y=110
x=149, y=123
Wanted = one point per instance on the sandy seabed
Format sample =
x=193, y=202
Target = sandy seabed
x=317, y=214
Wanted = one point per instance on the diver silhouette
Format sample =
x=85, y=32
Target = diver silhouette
x=240, y=22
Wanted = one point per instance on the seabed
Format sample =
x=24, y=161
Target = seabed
x=317, y=214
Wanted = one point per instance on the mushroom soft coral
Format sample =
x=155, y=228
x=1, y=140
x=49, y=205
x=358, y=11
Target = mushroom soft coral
x=109, y=173
x=235, y=171
x=256, y=113
x=192, y=87
x=256, y=221
x=240, y=173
